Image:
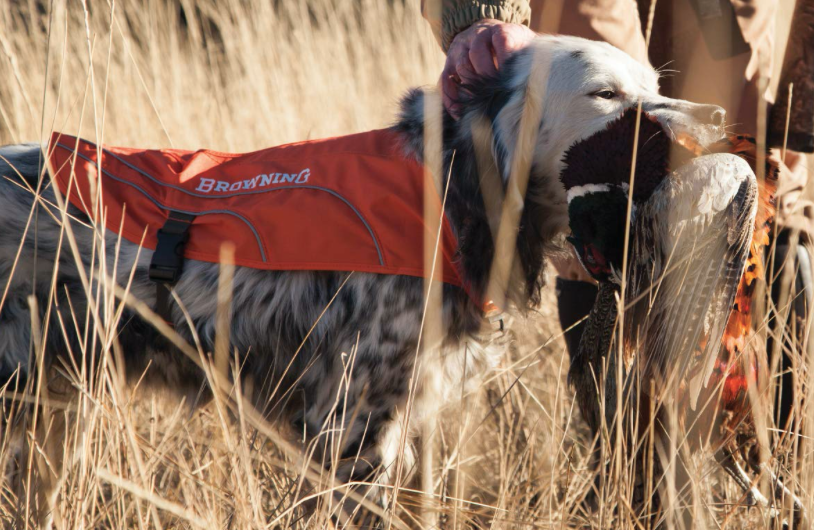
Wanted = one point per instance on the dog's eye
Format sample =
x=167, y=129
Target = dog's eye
x=604, y=94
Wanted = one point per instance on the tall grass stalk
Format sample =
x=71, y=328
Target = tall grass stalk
x=236, y=76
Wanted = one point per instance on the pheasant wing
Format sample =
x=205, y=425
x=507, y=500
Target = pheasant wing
x=691, y=242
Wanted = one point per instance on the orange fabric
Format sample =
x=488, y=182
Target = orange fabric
x=353, y=203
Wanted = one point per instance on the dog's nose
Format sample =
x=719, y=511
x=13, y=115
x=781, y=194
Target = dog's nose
x=710, y=114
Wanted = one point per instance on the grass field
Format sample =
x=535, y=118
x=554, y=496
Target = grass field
x=237, y=76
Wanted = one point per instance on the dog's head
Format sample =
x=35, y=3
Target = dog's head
x=570, y=88
x=545, y=99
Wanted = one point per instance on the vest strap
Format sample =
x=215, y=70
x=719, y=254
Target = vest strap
x=168, y=258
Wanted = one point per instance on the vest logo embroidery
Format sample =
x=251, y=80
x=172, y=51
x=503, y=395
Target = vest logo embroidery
x=207, y=185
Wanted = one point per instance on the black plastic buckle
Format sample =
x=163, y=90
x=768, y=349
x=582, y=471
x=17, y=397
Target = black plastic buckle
x=168, y=258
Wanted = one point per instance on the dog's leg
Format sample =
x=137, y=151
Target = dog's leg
x=350, y=425
x=29, y=250
x=34, y=443
x=15, y=343
x=363, y=448
x=48, y=447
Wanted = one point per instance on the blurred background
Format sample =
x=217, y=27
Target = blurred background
x=238, y=75
x=227, y=75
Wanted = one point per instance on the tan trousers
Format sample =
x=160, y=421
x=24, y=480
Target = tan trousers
x=690, y=71
x=677, y=44
x=678, y=48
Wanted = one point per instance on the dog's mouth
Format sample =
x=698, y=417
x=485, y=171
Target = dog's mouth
x=708, y=135
x=605, y=157
x=698, y=135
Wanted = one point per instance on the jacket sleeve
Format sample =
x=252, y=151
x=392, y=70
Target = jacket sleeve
x=449, y=17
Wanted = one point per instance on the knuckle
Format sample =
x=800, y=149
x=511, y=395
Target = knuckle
x=502, y=39
x=474, y=54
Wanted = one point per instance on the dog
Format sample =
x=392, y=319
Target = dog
x=578, y=87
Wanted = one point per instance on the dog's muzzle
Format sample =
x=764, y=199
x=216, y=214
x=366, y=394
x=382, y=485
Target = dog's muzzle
x=704, y=123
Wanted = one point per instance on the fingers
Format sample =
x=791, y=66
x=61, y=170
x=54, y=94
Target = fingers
x=458, y=57
x=450, y=78
x=502, y=43
x=449, y=92
x=481, y=56
x=460, y=68
x=479, y=51
x=465, y=70
x=510, y=38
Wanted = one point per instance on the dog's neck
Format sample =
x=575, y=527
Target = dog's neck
x=476, y=169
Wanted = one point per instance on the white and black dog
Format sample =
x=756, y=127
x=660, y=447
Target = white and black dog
x=586, y=85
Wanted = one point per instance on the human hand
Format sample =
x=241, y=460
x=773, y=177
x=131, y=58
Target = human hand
x=480, y=50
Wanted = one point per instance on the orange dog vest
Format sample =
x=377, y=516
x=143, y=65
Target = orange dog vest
x=353, y=203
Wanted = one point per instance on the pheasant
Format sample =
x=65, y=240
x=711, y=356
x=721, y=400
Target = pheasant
x=700, y=220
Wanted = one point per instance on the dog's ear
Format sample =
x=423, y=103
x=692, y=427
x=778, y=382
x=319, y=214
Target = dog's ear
x=485, y=99
x=416, y=107
x=410, y=122
x=515, y=105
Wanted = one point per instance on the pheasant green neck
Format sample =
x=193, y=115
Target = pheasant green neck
x=598, y=219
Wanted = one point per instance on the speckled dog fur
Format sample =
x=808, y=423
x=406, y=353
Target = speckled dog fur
x=377, y=316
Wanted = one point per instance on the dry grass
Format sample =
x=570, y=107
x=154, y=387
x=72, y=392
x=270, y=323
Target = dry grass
x=237, y=76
